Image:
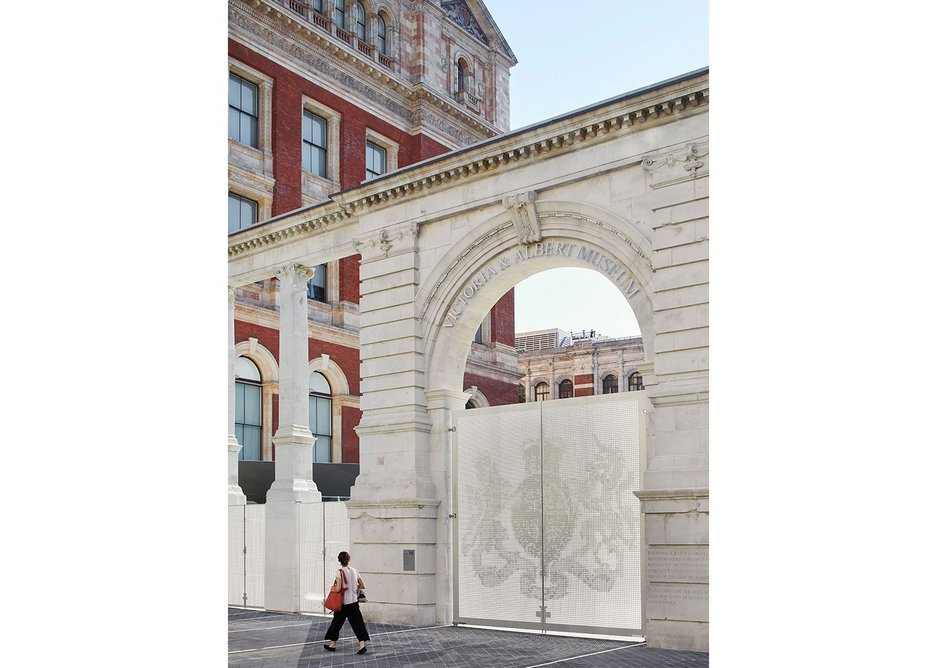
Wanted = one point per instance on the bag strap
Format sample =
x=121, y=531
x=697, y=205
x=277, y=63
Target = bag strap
x=344, y=581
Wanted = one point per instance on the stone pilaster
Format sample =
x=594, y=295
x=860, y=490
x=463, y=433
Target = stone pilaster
x=676, y=583
x=235, y=493
x=293, y=441
x=393, y=506
x=441, y=404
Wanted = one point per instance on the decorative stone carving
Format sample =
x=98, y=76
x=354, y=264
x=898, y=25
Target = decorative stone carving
x=691, y=156
x=523, y=211
x=385, y=240
x=462, y=16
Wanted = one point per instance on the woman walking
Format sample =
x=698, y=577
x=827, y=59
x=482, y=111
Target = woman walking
x=349, y=580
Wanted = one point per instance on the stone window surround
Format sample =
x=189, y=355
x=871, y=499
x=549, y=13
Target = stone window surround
x=263, y=198
x=459, y=54
x=390, y=147
x=264, y=83
x=333, y=121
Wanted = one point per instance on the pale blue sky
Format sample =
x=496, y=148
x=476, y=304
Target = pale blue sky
x=570, y=56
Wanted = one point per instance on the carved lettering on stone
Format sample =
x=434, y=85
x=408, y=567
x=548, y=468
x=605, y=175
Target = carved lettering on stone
x=683, y=565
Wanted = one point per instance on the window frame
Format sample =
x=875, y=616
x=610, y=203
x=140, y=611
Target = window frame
x=361, y=21
x=243, y=198
x=338, y=15
x=312, y=146
x=248, y=382
x=546, y=391
x=380, y=41
x=243, y=84
x=566, y=383
x=391, y=148
x=314, y=398
x=635, y=386
x=606, y=384
x=317, y=188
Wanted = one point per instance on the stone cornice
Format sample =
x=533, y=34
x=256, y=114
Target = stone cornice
x=630, y=113
x=273, y=24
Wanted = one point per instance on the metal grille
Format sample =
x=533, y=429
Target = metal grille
x=548, y=530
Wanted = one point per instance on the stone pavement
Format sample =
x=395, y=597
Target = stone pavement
x=258, y=639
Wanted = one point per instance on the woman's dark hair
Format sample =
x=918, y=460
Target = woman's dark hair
x=344, y=557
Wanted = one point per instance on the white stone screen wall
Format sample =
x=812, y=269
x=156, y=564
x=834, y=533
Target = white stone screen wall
x=548, y=527
x=324, y=532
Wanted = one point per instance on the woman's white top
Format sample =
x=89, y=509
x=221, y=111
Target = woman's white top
x=351, y=581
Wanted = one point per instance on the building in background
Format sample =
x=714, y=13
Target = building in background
x=558, y=365
x=323, y=95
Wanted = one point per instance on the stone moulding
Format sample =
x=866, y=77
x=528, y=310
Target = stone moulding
x=265, y=22
x=473, y=162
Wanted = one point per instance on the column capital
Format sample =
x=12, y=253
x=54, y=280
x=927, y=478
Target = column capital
x=294, y=272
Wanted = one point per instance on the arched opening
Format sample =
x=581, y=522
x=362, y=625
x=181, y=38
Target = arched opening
x=320, y=416
x=248, y=414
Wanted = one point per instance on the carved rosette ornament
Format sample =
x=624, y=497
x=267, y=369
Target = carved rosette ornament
x=523, y=209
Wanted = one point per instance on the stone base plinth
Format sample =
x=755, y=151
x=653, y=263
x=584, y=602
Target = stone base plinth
x=689, y=636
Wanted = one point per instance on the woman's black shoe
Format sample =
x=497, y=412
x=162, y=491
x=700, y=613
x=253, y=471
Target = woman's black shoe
x=329, y=647
x=362, y=650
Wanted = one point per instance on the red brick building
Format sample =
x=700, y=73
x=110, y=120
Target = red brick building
x=323, y=95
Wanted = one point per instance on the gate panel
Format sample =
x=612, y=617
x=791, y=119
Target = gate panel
x=547, y=529
x=499, y=527
x=591, y=467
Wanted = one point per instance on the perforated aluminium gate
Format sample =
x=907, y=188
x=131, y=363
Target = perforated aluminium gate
x=547, y=530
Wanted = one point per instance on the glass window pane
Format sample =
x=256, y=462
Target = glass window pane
x=323, y=451
x=234, y=90
x=246, y=369
x=307, y=157
x=234, y=214
x=239, y=435
x=251, y=443
x=239, y=402
x=318, y=383
x=324, y=420
x=307, y=126
x=249, y=98
x=312, y=414
x=318, y=162
x=252, y=404
x=234, y=124
x=318, y=131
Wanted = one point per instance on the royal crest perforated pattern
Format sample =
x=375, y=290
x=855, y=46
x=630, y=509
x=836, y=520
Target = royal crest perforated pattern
x=548, y=527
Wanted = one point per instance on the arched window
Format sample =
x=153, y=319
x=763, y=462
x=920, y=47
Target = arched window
x=460, y=75
x=381, y=35
x=635, y=382
x=338, y=13
x=247, y=412
x=566, y=389
x=360, y=27
x=320, y=416
x=610, y=384
x=521, y=393
x=542, y=392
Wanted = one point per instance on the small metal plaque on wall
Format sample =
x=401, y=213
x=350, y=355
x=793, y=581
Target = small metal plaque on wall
x=409, y=560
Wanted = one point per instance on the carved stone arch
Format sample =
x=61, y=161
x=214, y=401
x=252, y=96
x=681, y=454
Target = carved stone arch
x=332, y=372
x=481, y=401
x=451, y=306
x=263, y=358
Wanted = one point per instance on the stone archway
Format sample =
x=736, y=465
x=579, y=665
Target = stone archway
x=468, y=281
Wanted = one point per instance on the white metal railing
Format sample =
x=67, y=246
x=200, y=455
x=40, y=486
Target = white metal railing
x=324, y=531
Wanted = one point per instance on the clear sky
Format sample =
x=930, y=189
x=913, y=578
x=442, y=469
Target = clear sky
x=571, y=59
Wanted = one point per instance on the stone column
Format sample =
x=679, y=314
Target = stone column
x=440, y=405
x=553, y=393
x=235, y=494
x=393, y=506
x=293, y=443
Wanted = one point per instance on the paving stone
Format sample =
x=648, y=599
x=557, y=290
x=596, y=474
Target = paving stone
x=258, y=639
